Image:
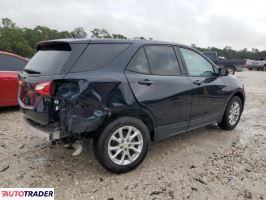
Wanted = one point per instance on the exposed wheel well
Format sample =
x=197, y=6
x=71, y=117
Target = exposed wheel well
x=145, y=118
x=241, y=96
x=238, y=94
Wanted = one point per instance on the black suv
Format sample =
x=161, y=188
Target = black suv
x=124, y=93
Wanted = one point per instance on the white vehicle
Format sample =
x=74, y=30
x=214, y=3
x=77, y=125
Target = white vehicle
x=256, y=64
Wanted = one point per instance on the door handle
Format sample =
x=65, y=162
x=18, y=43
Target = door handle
x=146, y=82
x=197, y=82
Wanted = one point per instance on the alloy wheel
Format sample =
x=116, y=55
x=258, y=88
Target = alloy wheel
x=125, y=145
x=234, y=113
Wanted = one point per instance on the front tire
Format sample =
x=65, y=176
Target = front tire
x=230, y=69
x=232, y=114
x=122, y=145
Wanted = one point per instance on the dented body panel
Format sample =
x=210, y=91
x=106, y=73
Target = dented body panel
x=84, y=109
x=83, y=101
x=80, y=105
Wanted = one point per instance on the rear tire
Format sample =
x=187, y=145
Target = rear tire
x=117, y=149
x=264, y=68
x=230, y=69
x=232, y=114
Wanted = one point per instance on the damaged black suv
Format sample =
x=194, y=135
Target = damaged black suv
x=124, y=93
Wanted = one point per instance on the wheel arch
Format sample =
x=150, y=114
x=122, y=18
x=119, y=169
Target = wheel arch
x=241, y=96
x=239, y=93
x=139, y=113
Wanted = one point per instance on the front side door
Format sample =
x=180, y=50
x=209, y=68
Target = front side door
x=156, y=81
x=207, y=96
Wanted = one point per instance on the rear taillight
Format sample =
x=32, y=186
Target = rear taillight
x=44, y=88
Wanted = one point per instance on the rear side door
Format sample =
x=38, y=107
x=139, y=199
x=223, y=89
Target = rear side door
x=9, y=67
x=156, y=80
x=207, y=96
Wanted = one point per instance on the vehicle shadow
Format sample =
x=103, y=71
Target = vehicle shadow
x=45, y=165
x=179, y=150
x=9, y=109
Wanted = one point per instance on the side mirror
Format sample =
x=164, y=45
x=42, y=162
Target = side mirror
x=223, y=71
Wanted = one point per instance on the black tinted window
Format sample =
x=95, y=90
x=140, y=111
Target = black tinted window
x=48, y=62
x=196, y=64
x=162, y=60
x=139, y=63
x=98, y=55
x=10, y=63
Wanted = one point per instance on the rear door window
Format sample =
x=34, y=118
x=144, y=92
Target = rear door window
x=98, y=55
x=162, y=60
x=11, y=63
x=139, y=63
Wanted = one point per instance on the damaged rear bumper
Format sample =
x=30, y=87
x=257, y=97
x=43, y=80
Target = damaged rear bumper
x=48, y=133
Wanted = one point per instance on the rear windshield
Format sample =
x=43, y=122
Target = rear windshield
x=48, y=61
x=98, y=55
x=11, y=63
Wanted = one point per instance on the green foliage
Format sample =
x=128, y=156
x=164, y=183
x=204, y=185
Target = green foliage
x=100, y=33
x=79, y=33
x=8, y=23
x=229, y=53
x=22, y=41
x=103, y=33
x=139, y=38
x=118, y=36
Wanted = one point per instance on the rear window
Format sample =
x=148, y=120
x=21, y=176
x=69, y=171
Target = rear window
x=48, y=61
x=98, y=55
x=162, y=60
x=139, y=63
x=11, y=63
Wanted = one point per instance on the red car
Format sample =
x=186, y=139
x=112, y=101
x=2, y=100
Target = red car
x=10, y=65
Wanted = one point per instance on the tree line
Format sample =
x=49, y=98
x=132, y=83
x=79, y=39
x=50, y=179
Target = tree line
x=230, y=53
x=22, y=41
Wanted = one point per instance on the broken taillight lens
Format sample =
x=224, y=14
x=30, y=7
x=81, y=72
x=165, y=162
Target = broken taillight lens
x=44, y=88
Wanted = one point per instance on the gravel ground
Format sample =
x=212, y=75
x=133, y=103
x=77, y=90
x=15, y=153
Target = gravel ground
x=207, y=163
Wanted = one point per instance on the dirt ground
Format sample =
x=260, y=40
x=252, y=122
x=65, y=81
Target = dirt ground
x=207, y=163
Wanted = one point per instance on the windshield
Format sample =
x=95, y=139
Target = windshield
x=48, y=62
